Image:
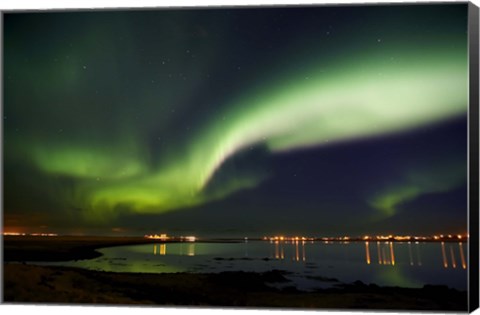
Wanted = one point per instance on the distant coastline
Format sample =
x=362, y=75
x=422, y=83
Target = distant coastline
x=64, y=248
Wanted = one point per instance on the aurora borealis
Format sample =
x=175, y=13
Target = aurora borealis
x=321, y=119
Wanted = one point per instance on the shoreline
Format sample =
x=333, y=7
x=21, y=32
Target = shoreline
x=30, y=283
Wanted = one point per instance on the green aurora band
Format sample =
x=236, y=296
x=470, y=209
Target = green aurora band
x=436, y=178
x=365, y=97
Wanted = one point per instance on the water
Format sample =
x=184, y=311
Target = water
x=310, y=265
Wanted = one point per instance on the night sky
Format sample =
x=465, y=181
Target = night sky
x=237, y=122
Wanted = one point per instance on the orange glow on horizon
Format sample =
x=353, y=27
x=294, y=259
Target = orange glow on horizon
x=27, y=234
x=13, y=234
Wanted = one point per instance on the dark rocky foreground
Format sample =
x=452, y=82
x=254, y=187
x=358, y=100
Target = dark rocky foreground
x=25, y=283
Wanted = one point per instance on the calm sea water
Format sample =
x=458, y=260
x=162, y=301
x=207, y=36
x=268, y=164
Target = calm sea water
x=310, y=264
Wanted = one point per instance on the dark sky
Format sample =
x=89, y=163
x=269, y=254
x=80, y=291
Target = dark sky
x=241, y=122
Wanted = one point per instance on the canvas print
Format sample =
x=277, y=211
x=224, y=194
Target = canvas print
x=298, y=157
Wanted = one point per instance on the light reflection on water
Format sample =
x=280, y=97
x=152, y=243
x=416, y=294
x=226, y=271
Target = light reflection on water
x=386, y=254
x=408, y=264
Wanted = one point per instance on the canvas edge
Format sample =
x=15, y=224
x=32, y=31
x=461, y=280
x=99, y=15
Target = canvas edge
x=2, y=290
x=473, y=121
x=473, y=272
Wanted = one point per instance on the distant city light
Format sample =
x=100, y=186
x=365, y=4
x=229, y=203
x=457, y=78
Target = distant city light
x=190, y=238
x=385, y=238
x=157, y=237
x=165, y=237
x=28, y=234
